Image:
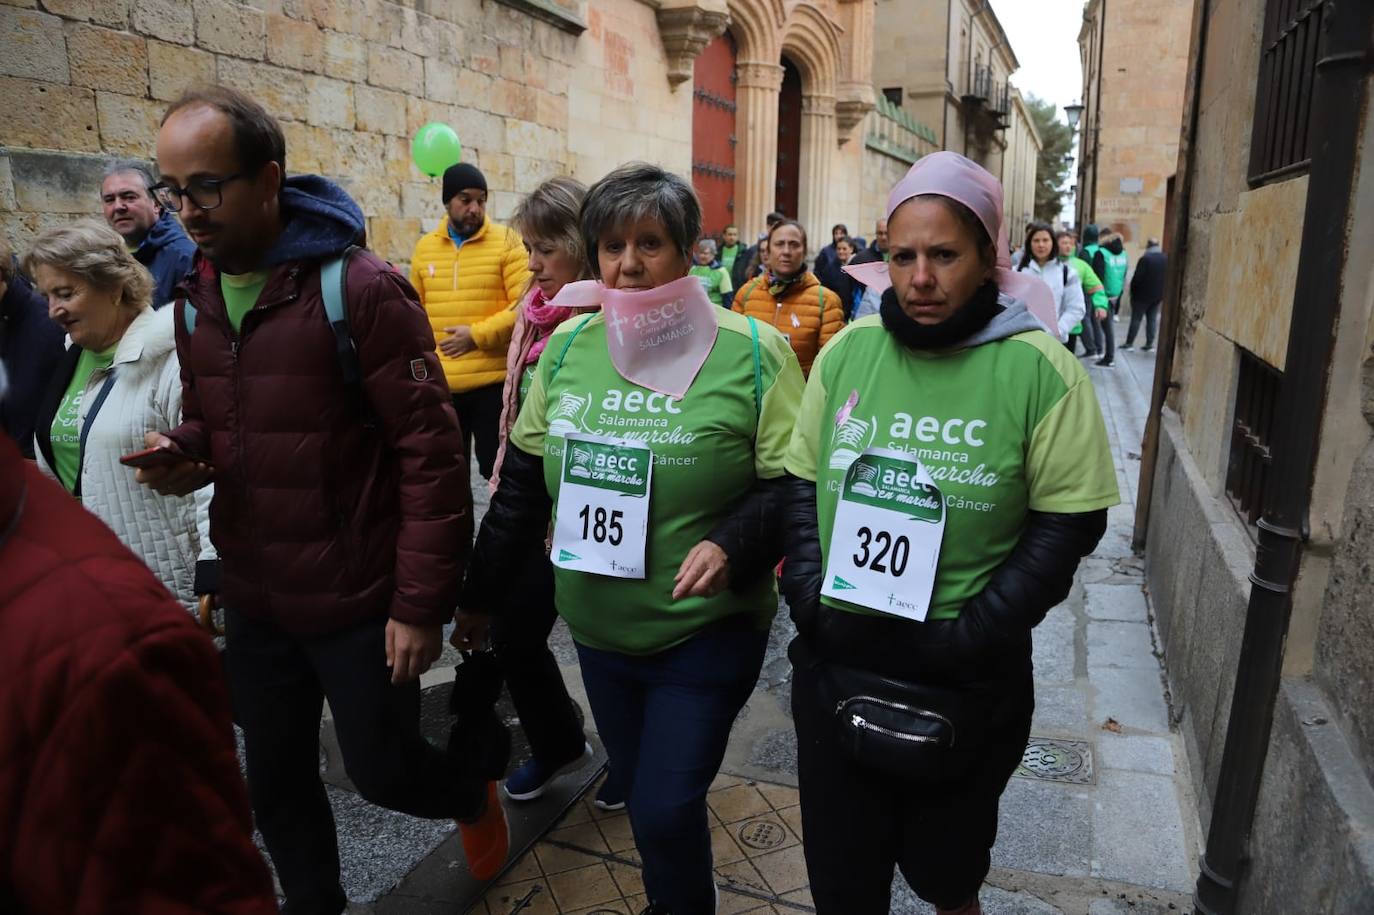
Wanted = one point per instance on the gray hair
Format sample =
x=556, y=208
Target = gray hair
x=635, y=191
x=708, y=244
x=97, y=254
x=120, y=166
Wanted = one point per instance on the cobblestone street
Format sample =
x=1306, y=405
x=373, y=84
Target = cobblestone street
x=1097, y=822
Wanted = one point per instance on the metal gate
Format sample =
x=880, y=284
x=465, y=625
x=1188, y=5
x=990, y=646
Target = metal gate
x=713, y=133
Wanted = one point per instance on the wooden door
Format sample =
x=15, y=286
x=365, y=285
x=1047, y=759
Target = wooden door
x=713, y=133
x=789, y=141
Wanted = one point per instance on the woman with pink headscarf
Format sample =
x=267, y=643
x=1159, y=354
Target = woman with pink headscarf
x=948, y=470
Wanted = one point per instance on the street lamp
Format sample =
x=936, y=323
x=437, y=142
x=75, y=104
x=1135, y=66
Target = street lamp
x=1073, y=112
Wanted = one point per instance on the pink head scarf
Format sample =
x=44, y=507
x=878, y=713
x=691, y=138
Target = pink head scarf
x=951, y=175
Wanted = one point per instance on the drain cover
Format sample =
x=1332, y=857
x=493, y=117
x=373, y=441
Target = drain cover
x=762, y=834
x=1057, y=761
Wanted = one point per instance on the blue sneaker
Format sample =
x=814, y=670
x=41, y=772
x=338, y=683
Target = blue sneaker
x=533, y=778
x=609, y=796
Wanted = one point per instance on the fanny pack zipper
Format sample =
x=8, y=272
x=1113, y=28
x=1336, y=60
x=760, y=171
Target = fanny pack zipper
x=861, y=722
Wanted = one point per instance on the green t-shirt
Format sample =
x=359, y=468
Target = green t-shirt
x=241, y=293
x=715, y=280
x=1089, y=280
x=709, y=448
x=728, y=253
x=1003, y=428
x=65, y=433
x=526, y=379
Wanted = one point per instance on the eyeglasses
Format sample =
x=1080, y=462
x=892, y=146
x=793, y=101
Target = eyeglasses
x=204, y=193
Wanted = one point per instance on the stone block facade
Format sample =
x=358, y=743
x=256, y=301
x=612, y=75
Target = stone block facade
x=1240, y=293
x=533, y=90
x=1134, y=66
x=350, y=82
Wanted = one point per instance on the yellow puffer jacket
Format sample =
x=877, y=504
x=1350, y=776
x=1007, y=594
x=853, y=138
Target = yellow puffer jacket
x=478, y=286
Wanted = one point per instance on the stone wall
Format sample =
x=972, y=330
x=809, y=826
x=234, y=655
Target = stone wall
x=1310, y=847
x=1143, y=72
x=350, y=82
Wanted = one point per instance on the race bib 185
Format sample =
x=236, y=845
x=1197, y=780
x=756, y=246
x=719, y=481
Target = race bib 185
x=603, y=506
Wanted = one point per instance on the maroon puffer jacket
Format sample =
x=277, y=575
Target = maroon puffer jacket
x=119, y=787
x=327, y=510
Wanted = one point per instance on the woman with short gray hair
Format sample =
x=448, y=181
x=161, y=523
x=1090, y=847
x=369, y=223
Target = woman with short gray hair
x=119, y=380
x=653, y=433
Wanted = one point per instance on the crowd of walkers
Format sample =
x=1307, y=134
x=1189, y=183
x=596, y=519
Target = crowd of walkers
x=279, y=424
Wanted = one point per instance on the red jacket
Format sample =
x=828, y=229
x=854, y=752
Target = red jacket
x=327, y=511
x=119, y=787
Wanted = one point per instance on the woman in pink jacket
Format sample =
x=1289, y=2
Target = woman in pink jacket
x=547, y=221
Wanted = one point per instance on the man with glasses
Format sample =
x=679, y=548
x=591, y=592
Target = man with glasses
x=149, y=230
x=342, y=509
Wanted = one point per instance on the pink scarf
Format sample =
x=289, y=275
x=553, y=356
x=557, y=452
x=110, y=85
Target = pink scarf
x=542, y=318
x=528, y=339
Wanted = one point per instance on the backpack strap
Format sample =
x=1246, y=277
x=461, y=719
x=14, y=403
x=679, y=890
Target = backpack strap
x=758, y=368
x=334, y=290
x=571, y=337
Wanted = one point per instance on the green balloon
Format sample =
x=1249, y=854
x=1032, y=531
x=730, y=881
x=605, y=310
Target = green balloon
x=435, y=148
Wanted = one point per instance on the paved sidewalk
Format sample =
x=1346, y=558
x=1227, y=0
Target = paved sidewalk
x=1099, y=820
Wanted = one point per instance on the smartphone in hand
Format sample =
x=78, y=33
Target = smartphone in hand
x=153, y=457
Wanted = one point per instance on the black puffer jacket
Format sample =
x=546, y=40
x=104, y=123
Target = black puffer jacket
x=991, y=637
x=518, y=518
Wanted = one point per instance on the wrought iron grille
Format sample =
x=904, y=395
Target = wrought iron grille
x=1257, y=396
x=1283, y=96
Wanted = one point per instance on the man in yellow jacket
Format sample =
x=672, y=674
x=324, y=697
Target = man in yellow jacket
x=470, y=273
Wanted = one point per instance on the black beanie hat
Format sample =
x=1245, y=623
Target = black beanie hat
x=461, y=177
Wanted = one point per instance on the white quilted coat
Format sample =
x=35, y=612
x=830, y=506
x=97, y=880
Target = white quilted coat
x=169, y=533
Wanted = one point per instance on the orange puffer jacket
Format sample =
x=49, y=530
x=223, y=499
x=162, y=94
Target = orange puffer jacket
x=808, y=314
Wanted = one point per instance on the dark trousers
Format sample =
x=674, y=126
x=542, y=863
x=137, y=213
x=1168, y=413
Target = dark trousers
x=1150, y=315
x=665, y=720
x=1091, y=334
x=278, y=684
x=859, y=823
x=479, y=415
x=521, y=640
x=1104, y=333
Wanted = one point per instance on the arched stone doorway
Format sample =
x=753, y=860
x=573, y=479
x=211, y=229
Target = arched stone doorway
x=787, y=188
x=713, y=132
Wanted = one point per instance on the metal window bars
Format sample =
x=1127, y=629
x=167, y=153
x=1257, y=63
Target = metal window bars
x=1283, y=95
x=1257, y=396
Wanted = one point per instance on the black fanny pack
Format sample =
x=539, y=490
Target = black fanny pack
x=911, y=730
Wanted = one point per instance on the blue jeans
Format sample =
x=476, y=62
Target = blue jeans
x=665, y=720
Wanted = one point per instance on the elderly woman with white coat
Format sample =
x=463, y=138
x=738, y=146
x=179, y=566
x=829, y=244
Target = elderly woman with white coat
x=119, y=380
x=1039, y=258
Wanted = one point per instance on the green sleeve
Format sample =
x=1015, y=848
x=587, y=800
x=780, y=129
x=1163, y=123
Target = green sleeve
x=1069, y=464
x=804, y=449
x=725, y=287
x=778, y=413
x=533, y=422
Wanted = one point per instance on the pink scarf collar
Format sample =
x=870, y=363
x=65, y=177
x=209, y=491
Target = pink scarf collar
x=659, y=338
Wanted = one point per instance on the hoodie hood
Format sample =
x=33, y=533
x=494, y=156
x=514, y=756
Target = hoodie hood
x=1014, y=318
x=1115, y=246
x=321, y=221
x=1091, y=234
x=164, y=232
x=151, y=336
